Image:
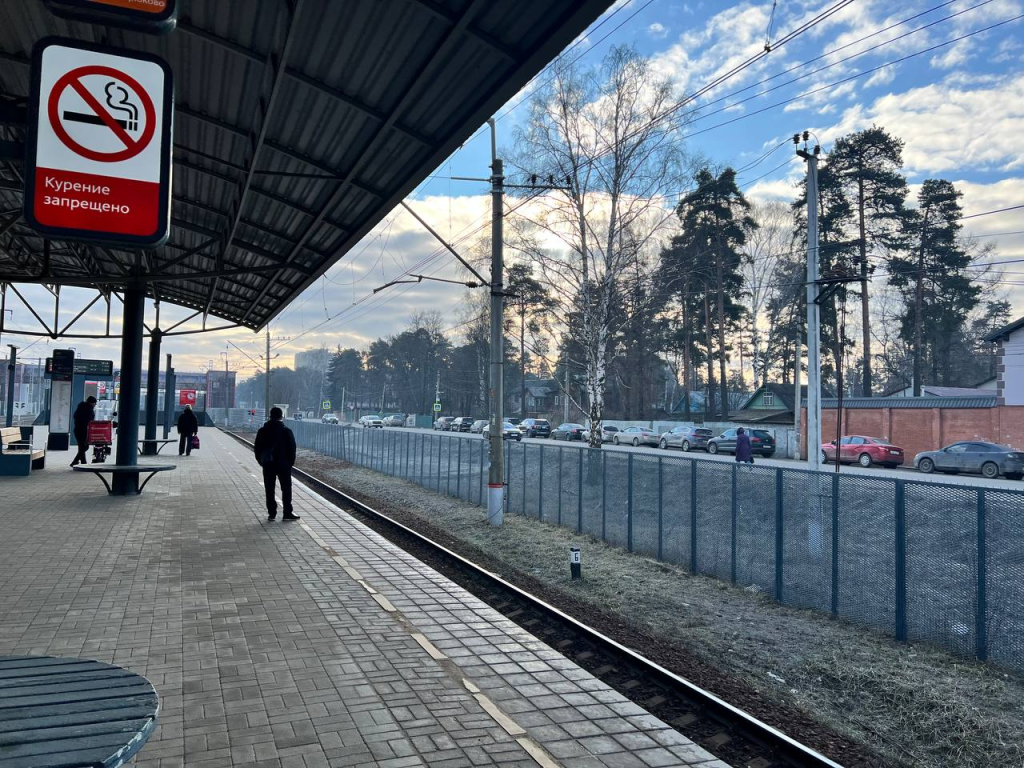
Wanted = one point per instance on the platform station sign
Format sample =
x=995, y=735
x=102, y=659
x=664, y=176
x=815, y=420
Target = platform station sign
x=99, y=146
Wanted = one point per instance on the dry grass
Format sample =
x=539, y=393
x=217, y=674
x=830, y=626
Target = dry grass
x=912, y=705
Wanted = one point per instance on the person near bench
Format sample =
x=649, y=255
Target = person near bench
x=275, y=452
x=84, y=413
x=188, y=427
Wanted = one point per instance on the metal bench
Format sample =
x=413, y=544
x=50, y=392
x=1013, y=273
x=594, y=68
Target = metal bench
x=159, y=444
x=17, y=456
x=59, y=712
x=115, y=470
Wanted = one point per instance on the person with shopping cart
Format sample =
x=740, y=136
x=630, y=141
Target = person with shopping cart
x=84, y=413
x=188, y=431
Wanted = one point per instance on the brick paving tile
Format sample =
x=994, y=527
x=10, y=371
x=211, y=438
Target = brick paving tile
x=267, y=653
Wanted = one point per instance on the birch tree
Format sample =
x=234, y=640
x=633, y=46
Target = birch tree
x=598, y=136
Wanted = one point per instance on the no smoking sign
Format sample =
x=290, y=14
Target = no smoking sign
x=99, y=150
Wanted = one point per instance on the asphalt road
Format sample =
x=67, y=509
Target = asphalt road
x=974, y=481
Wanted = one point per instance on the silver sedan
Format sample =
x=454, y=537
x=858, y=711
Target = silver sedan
x=636, y=436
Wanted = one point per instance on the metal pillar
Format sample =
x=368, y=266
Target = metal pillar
x=168, y=396
x=12, y=364
x=152, y=391
x=496, y=475
x=131, y=382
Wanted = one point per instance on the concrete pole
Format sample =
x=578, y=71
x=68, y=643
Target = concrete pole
x=131, y=382
x=12, y=364
x=496, y=473
x=813, y=321
x=152, y=391
x=168, y=397
x=266, y=381
x=797, y=395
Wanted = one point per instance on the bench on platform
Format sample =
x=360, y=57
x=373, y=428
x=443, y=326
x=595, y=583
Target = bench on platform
x=157, y=443
x=61, y=712
x=125, y=470
x=17, y=457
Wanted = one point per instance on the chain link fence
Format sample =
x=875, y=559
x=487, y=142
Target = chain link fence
x=921, y=561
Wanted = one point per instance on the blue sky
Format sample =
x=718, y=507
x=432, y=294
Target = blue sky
x=959, y=108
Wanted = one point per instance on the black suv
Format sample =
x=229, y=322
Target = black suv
x=535, y=427
x=461, y=424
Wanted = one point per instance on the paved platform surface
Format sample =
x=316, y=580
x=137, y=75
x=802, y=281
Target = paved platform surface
x=293, y=645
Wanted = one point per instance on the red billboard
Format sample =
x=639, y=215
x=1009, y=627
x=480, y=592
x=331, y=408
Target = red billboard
x=187, y=397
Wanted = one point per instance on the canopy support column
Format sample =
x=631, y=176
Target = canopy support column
x=168, y=396
x=131, y=384
x=152, y=392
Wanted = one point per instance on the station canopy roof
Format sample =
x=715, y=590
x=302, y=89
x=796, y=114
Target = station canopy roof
x=298, y=126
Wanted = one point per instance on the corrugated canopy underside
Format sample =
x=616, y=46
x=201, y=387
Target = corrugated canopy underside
x=298, y=126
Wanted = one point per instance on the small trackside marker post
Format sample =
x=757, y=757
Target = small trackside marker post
x=575, y=565
x=495, y=503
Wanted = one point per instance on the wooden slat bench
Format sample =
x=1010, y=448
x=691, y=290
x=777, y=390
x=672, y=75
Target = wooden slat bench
x=115, y=470
x=72, y=712
x=17, y=456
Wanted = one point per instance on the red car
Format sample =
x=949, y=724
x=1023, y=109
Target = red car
x=864, y=451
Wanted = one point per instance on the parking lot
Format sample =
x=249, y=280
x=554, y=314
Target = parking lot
x=905, y=472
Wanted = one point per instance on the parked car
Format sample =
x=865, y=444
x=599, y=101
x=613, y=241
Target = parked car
x=988, y=459
x=478, y=426
x=297, y=417
x=535, y=427
x=443, y=423
x=513, y=422
x=636, y=436
x=568, y=431
x=371, y=421
x=394, y=420
x=607, y=433
x=329, y=418
x=508, y=432
x=863, y=450
x=460, y=424
x=686, y=438
x=761, y=442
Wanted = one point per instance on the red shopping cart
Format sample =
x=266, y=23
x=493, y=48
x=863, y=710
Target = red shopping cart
x=101, y=436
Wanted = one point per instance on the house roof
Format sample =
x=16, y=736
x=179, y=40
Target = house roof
x=782, y=392
x=929, y=391
x=298, y=127
x=1005, y=331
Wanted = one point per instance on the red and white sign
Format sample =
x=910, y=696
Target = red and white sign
x=99, y=153
x=187, y=397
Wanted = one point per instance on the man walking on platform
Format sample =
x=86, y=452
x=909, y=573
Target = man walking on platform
x=84, y=413
x=275, y=452
x=188, y=427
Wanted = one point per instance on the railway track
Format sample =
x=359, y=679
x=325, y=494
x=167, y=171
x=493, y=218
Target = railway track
x=728, y=732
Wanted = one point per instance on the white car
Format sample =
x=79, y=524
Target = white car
x=371, y=421
x=394, y=420
x=329, y=418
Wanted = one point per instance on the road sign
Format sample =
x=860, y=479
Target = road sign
x=326, y=405
x=156, y=16
x=437, y=407
x=99, y=144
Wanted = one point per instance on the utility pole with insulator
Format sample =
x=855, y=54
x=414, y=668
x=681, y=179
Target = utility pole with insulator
x=813, y=318
x=496, y=474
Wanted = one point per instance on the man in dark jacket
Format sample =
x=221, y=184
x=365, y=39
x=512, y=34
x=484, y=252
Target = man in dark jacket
x=84, y=413
x=275, y=452
x=188, y=426
x=743, y=452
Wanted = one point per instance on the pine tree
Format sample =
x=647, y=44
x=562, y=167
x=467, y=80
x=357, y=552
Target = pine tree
x=932, y=275
x=715, y=219
x=527, y=297
x=867, y=165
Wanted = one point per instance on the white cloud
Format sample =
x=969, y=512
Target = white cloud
x=948, y=125
x=657, y=30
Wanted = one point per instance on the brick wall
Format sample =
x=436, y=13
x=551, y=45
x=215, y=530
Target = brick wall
x=925, y=429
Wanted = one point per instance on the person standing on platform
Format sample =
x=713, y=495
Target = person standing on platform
x=84, y=413
x=188, y=427
x=743, y=452
x=275, y=452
